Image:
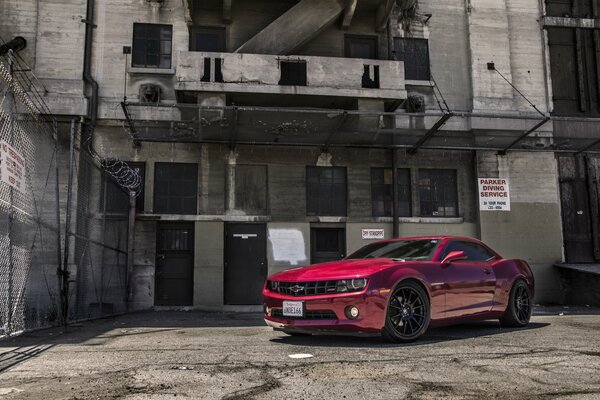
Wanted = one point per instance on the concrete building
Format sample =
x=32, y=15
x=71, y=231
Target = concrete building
x=269, y=134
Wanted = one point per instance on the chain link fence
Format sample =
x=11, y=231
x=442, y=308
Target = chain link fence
x=99, y=236
x=29, y=221
x=64, y=213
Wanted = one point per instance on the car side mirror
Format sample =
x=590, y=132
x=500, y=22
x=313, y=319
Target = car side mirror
x=454, y=256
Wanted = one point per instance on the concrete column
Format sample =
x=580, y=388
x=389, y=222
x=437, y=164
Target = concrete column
x=489, y=42
x=531, y=230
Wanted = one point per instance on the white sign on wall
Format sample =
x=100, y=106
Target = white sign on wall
x=12, y=166
x=373, y=234
x=288, y=246
x=494, y=194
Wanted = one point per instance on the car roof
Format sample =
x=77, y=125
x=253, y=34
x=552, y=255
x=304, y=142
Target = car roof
x=431, y=237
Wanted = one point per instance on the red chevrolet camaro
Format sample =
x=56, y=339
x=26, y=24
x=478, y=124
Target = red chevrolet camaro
x=399, y=288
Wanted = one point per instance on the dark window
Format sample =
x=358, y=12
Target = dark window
x=204, y=38
x=382, y=196
x=152, y=45
x=251, y=189
x=415, y=54
x=574, y=68
x=326, y=191
x=293, y=73
x=438, y=193
x=117, y=200
x=404, y=193
x=474, y=251
x=360, y=47
x=370, y=80
x=175, y=188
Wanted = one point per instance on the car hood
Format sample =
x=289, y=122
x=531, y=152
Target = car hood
x=342, y=269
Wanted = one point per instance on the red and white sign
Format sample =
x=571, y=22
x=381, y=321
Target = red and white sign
x=12, y=166
x=373, y=234
x=494, y=194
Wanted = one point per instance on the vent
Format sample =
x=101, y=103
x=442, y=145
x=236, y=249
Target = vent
x=150, y=94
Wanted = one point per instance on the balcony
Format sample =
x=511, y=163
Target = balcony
x=265, y=74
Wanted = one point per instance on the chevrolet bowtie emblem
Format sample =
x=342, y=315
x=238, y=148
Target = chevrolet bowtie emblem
x=296, y=289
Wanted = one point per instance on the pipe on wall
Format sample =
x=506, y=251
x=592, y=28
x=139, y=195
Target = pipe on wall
x=87, y=66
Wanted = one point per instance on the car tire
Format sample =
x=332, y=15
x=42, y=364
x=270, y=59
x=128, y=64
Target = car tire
x=408, y=313
x=518, y=310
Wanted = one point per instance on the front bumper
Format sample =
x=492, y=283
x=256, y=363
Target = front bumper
x=371, y=305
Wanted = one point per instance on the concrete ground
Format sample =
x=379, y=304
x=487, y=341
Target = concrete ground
x=163, y=355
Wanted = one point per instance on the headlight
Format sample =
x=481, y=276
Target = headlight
x=351, y=285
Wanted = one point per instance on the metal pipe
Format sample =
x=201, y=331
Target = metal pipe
x=11, y=265
x=87, y=63
x=130, y=247
x=395, y=194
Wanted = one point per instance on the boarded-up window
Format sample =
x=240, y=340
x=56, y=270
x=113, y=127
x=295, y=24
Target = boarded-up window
x=326, y=191
x=438, y=193
x=251, y=189
x=382, y=196
x=175, y=188
x=415, y=54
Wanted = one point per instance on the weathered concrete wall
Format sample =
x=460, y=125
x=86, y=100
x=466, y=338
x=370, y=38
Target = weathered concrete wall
x=208, y=265
x=532, y=229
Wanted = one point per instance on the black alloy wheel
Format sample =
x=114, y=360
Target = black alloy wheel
x=408, y=313
x=518, y=311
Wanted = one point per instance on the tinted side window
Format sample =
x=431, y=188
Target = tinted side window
x=474, y=251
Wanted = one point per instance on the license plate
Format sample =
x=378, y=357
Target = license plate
x=293, y=309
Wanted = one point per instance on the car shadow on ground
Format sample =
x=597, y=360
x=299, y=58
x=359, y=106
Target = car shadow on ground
x=433, y=335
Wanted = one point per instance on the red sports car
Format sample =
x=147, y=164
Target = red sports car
x=399, y=288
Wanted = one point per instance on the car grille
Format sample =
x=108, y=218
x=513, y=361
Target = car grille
x=308, y=315
x=305, y=288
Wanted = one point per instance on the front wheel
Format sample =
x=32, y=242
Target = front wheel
x=408, y=313
x=518, y=311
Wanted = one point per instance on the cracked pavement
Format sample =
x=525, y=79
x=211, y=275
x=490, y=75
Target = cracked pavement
x=163, y=355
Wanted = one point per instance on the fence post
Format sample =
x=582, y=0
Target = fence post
x=11, y=265
x=130, y=239
x=64, y=290
x=57, y=195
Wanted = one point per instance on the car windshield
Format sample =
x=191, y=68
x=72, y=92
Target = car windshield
x=416, y=250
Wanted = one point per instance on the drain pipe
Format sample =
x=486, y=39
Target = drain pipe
x=87, y=66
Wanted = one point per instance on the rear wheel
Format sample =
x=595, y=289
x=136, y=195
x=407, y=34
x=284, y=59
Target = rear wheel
x=408, y=313
x=518, y=311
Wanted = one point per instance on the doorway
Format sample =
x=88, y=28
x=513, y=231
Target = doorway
x=245, y=263
x=174, y=275
x=327, y=244
x=580, y=209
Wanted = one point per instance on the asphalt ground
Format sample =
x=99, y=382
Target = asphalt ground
x=166, y=355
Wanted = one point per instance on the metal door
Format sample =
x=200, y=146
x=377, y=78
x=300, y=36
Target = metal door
x=576, y=212
x=174, y=265
x=327, y=244
x=245, y=263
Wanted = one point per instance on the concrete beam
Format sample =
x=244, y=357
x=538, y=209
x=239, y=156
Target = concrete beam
x=295, y=27
x=383, y=14
x=227, y=5
x=564, y=22
x=349, y=13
